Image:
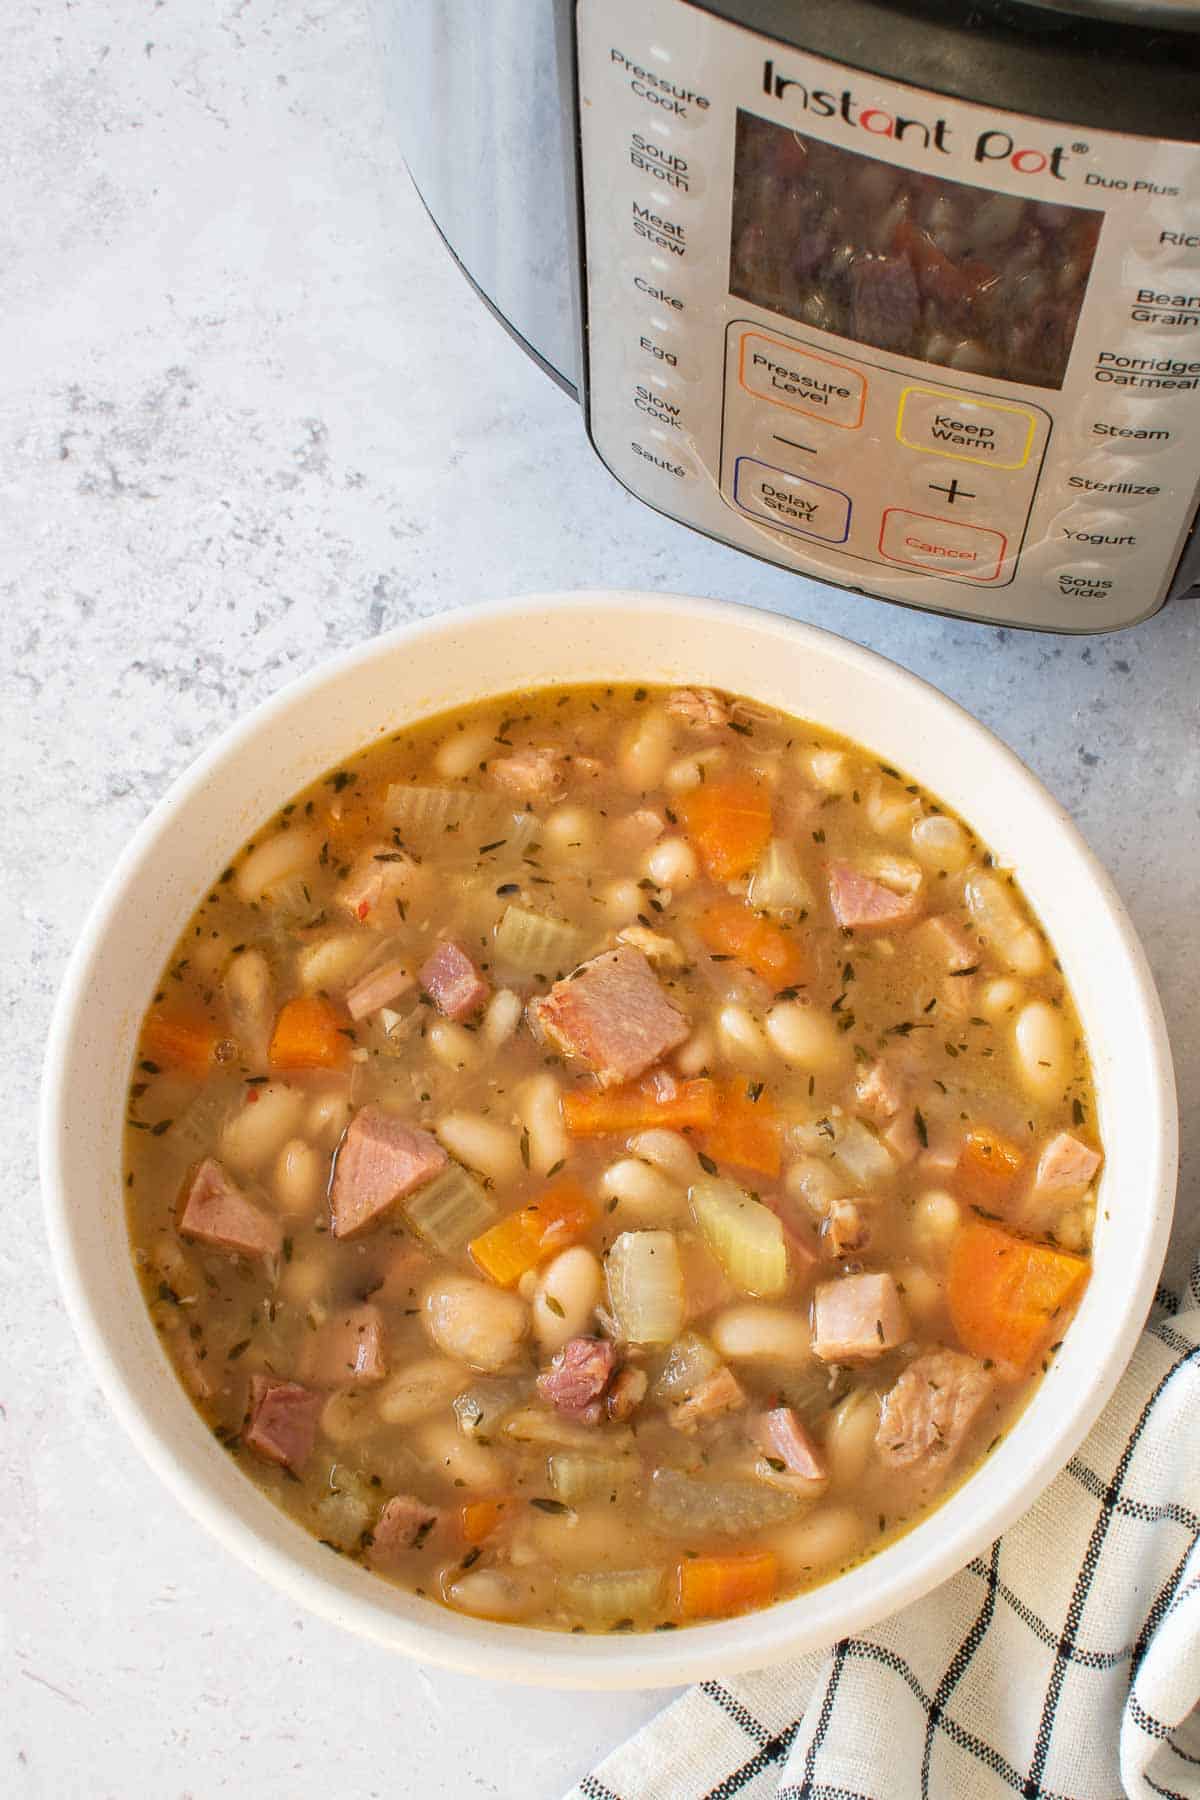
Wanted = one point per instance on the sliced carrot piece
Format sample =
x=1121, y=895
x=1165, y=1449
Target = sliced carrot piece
x=639, y=1106
x=729, y=823
x=746, y=1131
x=180, y=1043
x=730, y=928
x=712, y=1587
x=989, y=1162
x=531, y=1235
x=1009, y=1297
x=308, y=1035
x=480, y=1518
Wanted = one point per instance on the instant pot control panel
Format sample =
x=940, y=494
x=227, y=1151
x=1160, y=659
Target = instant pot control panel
x=946, y=355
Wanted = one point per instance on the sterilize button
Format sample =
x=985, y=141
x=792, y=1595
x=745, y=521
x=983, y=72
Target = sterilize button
x=774, y=369
x=945, y=546
x=792, y=502
x=938, y=423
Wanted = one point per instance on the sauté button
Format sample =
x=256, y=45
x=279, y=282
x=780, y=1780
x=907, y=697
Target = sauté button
x=816, y=386
x=967, y=430
x=944, y=546
x=808, y=508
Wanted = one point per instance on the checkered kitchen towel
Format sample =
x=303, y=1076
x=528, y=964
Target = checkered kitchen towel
x=1062, y=1665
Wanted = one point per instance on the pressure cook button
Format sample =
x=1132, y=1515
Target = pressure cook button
x=965, y=429
x=944, y=546
x=817, y=386
x=792, y=502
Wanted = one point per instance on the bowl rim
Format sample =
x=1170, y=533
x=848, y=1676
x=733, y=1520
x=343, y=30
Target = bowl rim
x=530, y=1655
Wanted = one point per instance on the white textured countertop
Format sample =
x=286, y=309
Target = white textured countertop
x=252, y=414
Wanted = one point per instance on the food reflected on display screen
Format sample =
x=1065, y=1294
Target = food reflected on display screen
x=611, y=1157
x=984, y=282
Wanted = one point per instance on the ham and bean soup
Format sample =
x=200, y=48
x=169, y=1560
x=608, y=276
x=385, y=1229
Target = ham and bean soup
x=611, y=1158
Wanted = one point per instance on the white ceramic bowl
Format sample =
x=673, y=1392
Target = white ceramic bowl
x=421, y=669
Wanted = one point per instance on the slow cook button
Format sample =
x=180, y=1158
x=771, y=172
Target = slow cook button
x=1086, y=530
x=804, y=382
x=659, y=399
x=944, y=546
x=966, y=430
x=808, y=508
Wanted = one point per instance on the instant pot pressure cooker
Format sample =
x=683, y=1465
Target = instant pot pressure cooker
x=905, y=296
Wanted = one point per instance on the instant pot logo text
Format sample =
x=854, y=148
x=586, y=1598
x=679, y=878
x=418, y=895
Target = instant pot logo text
x=993, y=146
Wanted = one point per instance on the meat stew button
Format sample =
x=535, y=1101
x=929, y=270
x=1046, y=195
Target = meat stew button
x=944, y=546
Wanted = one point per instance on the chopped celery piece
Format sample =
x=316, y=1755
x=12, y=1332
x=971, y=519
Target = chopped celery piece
x=535, y=945
x=426, y=812
x=679, y=1502
x=196, y=1130
x=744, y=1235
x=480, y=1407
x=859, y=1154
x=779, y=883
x=348, y=1508
x=574, y=1477
x=690, y=1362
x=292, y=899
x=450, y=1210
x=604, y=1595
x=534, y=1426
x=645, y=1286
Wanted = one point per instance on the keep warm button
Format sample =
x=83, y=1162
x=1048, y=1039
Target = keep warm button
x=791, y=501
x=954, y=425
x=944, y=546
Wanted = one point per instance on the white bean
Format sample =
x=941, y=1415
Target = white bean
x=299, y=1178
x=250, y=996
x=850, y=1436
x=571, y=832
x=301, y=1283
x=460, y=1459
x=741, y=1037
x=940, y=843
x=805, y=1038
x=696, y=1052
x=1039, y=1044
x=342, y=1416
x=889, y=810
x=668, y=1151
x=488, y=1148
x=826, y=1536
x=828, y=768
x=273, y=859
x=475, y=1322
x=572, y=1283
x=645, y=1195
x=621, y=902
x=689, y=771
x=270, y=1115
x=328, y=1116
x=671, y=863
x=921, y=1291
x=1001, y=998
x=1003, y=924
x=333, y=962
x=762, y=1333
x=501, y=1019
x=644, y=751
x=419, y=1389
x=936, y=1218
x=539, y=1108
x=462, y=753
x=494, y=1594
x=452, y=1045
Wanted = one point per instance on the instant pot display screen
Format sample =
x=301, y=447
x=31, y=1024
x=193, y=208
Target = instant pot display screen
x=942, y=271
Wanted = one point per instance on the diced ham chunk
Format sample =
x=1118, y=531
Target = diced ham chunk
x=218, y=1213
x=1065, y=1169
x=856, y=1318
x=879, y=1093
x=612, y=1014
x=847, y=1229
x=718, y=1393
x=380, y=876
x=283, y=1421
x=927, y=1415
x=348, y=1350
x=377, y=989
x=627, y=1393
x=699, y=708
x=404, y=1523
x=860, y=902
x=578, y=1376
x=379, y=1162
x=533, y=774
x=782, y=1435
x=453, y=982
x=945, y=939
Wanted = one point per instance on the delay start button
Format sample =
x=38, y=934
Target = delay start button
x=943, y=546
x=792, y=502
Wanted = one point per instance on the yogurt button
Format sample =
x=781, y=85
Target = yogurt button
x=1087, y=531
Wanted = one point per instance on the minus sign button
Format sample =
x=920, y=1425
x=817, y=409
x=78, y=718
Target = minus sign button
x=794, y=445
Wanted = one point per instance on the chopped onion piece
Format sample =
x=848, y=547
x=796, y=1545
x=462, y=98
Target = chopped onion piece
x=690, y=1362
x=607, y=1594
x=575, y=1477
x=645, y=1286
x=679, y=1502
x=779, y=883
x=534, y=944
x=746, y=1237
x=859, y=1153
